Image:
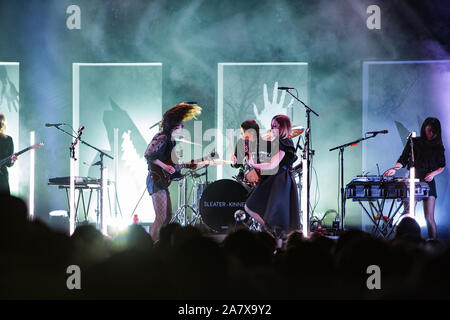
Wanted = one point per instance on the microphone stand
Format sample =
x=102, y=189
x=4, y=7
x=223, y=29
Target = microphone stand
x=341, y=162
x=308, y=152
x=102, y=154
x=155, y=125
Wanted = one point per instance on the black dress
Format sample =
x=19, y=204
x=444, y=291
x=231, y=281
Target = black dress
x=6, y=150
x=428, y=156
x=159, y=148
x=275, y=198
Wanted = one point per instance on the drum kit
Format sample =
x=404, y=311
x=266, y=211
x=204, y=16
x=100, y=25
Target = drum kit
x=218, y=205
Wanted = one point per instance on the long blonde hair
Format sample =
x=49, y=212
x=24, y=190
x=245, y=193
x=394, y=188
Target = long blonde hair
x=2, y=125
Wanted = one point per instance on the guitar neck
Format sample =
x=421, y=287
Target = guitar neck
x=193, y=162
x=22, y=151
x=7, y=159
x=183, y=166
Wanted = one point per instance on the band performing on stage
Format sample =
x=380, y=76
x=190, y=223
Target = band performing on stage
x=263, y=195
x=224, y=150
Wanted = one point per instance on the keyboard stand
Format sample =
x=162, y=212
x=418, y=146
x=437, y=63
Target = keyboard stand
x=384, y=225
x=81, y=189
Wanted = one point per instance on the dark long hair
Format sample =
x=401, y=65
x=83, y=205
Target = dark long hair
x=435, y=127
x=285, y=125
x=252, y=124
x=178, y=114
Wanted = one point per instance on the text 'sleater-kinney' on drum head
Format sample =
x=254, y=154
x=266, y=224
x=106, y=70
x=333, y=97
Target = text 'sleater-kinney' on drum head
x=220, y=201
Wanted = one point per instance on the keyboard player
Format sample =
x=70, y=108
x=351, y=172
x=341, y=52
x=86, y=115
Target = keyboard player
x=429, y=161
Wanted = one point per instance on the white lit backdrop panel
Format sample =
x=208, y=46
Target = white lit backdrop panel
x=127, y=97
x=249, y=91
x=399, y=96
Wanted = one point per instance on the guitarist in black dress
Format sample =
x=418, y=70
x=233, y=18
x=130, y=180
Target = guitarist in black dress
x=160, y=159
x=274, y=201
x=6, y=150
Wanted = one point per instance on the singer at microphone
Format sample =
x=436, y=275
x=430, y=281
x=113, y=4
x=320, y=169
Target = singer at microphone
x=426, y=154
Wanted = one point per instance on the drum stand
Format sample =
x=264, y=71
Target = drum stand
x=181, y=214
x=197, y=215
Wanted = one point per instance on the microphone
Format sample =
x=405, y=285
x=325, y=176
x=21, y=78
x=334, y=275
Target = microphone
x=409, y=136
x=54, y=124
x=377, y=132
x=156, y=124
x=285, y=88
x=80, y=131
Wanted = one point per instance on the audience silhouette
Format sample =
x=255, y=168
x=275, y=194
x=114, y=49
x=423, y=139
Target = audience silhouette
x=186, y=263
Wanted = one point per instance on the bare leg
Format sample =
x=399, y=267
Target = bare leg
x=428, y=208
x=162, y=206
x=406, y=212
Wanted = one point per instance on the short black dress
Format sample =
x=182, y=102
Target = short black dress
x=6, y=150
x=160, y=148
x=275, y=198
x=428, y=156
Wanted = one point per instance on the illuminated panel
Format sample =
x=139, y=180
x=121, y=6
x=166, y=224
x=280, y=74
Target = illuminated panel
x=126, y=97
x=304, y=199
x=249, y=91
x=412, y=188
x=32, y=168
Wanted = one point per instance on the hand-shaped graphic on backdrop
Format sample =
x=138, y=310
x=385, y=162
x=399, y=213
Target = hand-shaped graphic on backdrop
x=273, y=108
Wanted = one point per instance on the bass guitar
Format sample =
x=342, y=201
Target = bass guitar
x=163, y=178
x=8, y=159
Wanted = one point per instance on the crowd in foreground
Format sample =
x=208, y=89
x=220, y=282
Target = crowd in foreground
x=188, y=264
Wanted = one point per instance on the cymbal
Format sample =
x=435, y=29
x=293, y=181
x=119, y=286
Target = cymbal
x=267, y=135
x=216, y=162
x=187, y=141
x=296, y=131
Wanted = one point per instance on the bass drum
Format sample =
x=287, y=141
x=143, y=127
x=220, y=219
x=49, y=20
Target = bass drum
x=220, y=201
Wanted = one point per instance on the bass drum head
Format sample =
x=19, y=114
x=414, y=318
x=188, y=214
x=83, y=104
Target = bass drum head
x=220, y=201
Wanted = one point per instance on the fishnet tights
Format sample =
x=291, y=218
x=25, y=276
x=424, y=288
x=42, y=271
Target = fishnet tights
x=163, y=212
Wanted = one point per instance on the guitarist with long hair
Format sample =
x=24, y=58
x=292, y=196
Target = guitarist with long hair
x=159, y=157
x=6, y=150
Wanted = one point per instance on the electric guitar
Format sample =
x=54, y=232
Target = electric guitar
x=7, y=159
x=163, y=178
x=252, y=175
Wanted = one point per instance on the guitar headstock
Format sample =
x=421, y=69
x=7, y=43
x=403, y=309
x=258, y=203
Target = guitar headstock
x=37, y=146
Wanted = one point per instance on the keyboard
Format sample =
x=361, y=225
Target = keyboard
x=367, y=188
x=79, y=181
